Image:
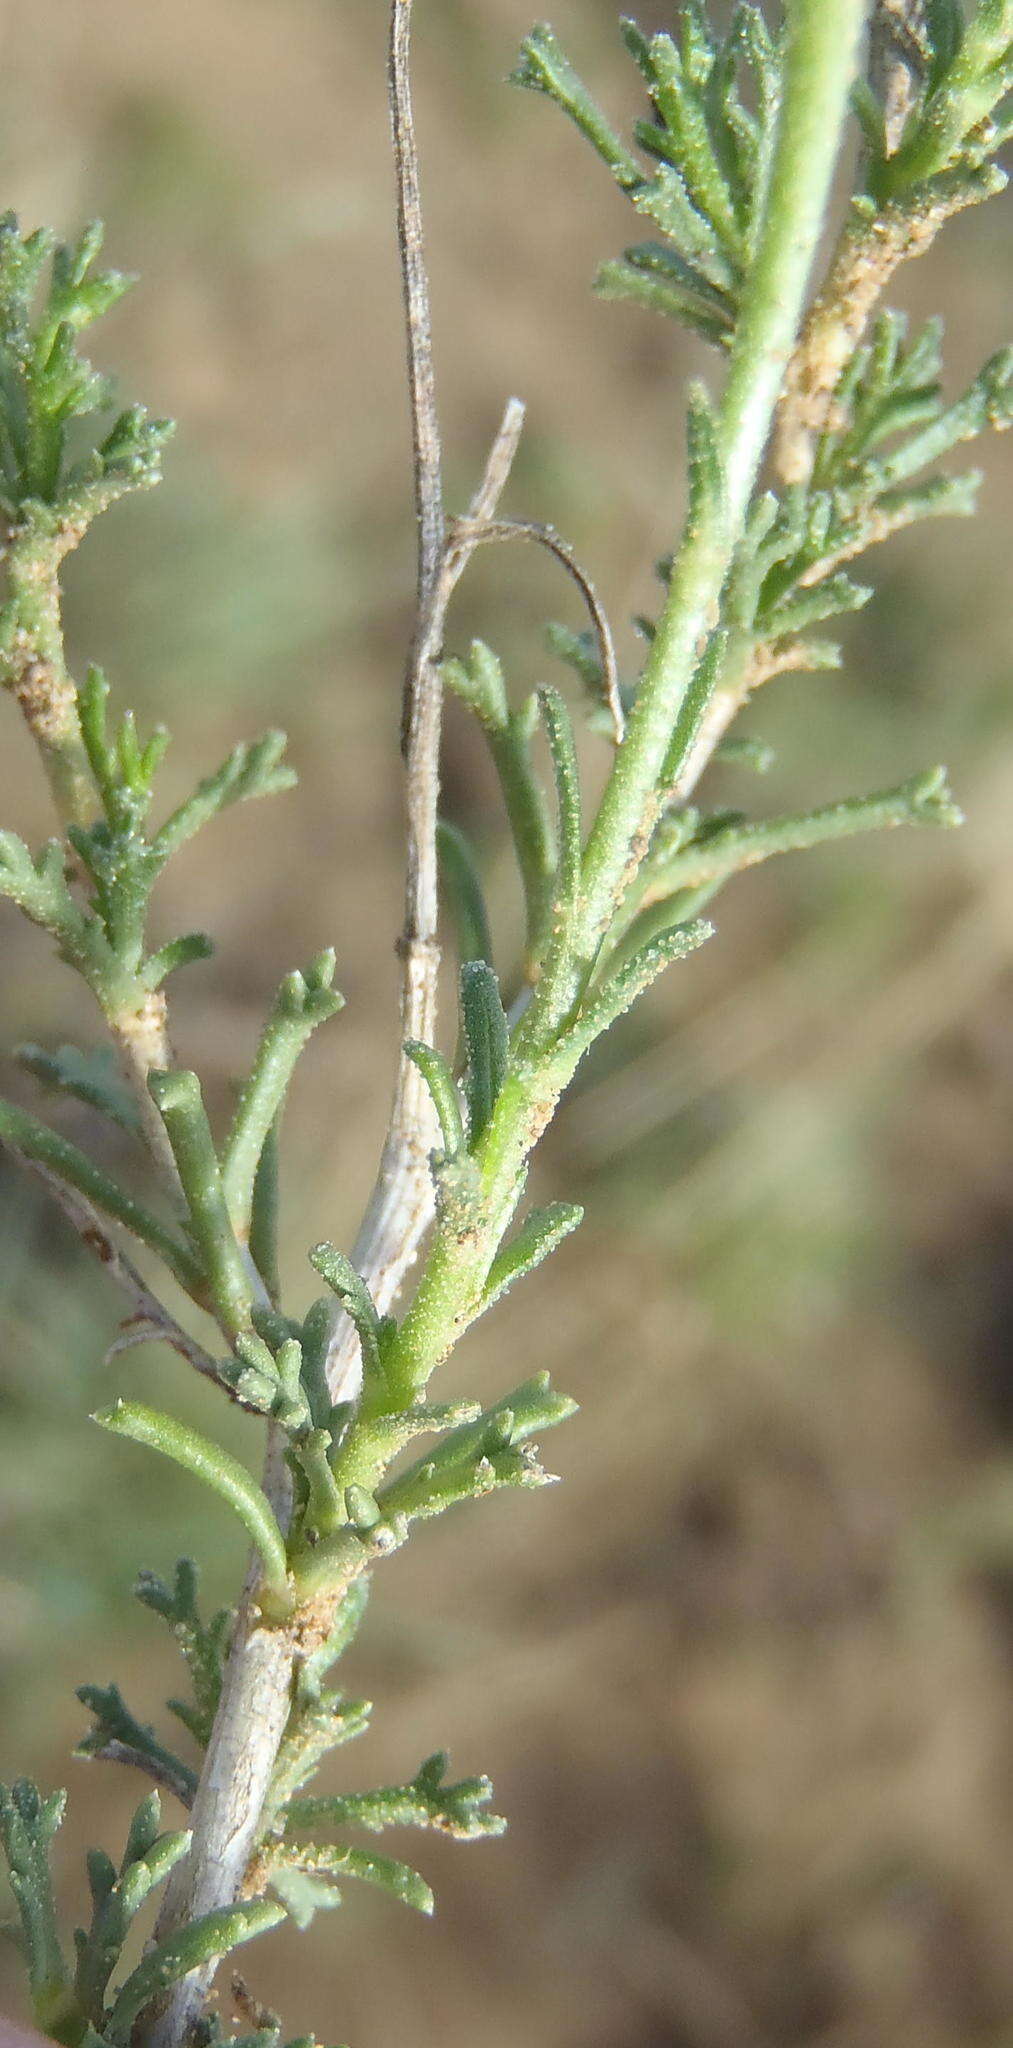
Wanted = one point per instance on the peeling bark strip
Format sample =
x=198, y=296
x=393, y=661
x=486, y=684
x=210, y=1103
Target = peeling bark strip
x=401, y=1205
x=897, y=58
x=142, y=1042
x=33, y=664
x=867, y=255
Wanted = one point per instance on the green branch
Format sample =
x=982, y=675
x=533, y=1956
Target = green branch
x=821, y=44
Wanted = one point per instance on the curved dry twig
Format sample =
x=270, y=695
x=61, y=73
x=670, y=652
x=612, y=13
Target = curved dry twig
x=469, y=533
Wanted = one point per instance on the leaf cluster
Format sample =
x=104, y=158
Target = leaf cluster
x=299, y=1872
x=78, y=2005
x=50, y=294
x=708, y=144
x=961, y=110
x=103, y=939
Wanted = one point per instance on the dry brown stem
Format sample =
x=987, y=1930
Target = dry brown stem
x=867, y=255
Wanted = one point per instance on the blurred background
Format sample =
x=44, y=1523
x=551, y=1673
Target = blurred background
x=743, y=1681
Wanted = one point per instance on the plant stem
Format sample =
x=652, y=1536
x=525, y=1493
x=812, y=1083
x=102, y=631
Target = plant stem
x=36, y=667
x=822, y=44
x=823, y=40
x=248, y=1728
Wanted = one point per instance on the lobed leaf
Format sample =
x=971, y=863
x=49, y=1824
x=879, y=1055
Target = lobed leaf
x=253, y=769
x=118, y=1735
x=27, y=1825
x=427, y=1802
x=355, y=1297
x=322, y=1861
x=204, y=1645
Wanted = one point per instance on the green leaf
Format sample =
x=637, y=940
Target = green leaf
x=427, y=1802
x=122, y=770
x=217, y=1468
x=204, y=1645
x=203, y=1941
x=252, y=769
x=692, y=710
x=538, y=1236
x=148, y=1859
x=324, y=1509
x=987, y=403
x=181, y=952
x=923, y=799
x=559, y=731
x=487, y=1041
x=624, y=280
x=428, y=1490
x=27, y=1825
x=320, y=1721
x=580, y=653
x=264, y=1210
x=666, y=202
x=143, y=1830
x=45, y=384
x=478, y=682
x=944, y=28
x=703, y=454
x=35, y=1141
x=491, y=1452
x=117, y=1729
x=620, y=993
x=302, y=1895
x=443, y=1089
x=532, y=1407
x=361, y=1508
x=952, y=129
x=543, y=66
x=89, y=1076
x=829, y=598
x=177, y=1097
x=315, y=1339
x=323, y=1860
x=738, y=751
x=463, y=889
x=129, y=459
x=351, y=1290
x=303, y=1002
x=678, y=101
x=39, y=887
